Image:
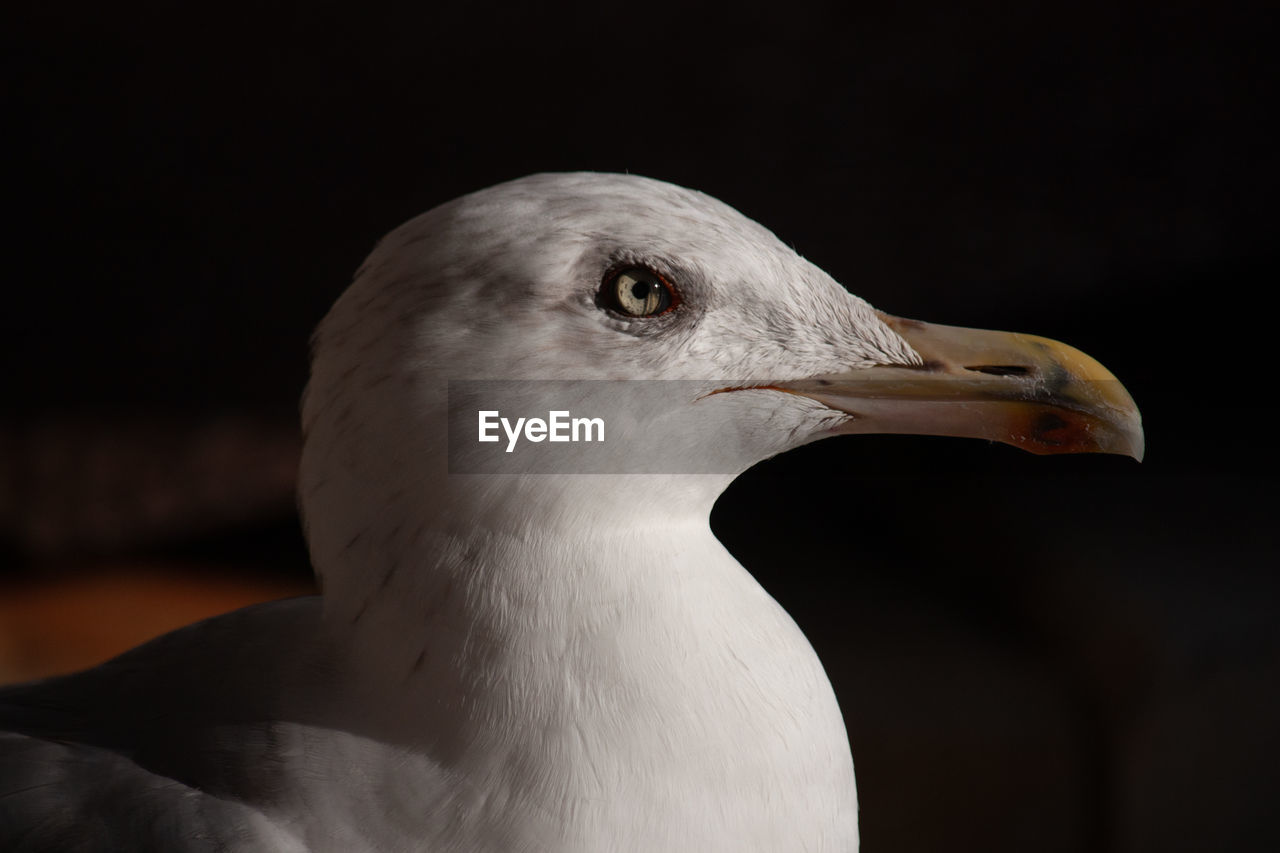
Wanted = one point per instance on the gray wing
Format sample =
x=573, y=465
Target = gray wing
x=174, y=746
x=72, y=797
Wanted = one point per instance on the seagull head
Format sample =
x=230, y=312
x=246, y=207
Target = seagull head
x=704, y=342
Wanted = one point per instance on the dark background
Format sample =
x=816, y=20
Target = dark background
x=1032, y=653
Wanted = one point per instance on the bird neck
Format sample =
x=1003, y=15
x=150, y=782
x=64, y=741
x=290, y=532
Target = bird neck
x=484, y=579
x=626, y=656
x=513, y=583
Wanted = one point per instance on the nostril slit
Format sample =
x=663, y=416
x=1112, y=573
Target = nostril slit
x=1000, y=369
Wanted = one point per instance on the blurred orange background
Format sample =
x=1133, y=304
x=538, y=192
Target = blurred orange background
x=52, y=627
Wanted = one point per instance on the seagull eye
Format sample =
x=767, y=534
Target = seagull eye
x=637, y=292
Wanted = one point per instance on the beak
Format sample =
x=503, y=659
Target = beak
x=1031, y=392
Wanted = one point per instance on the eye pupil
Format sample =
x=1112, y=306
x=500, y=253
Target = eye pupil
x=636, y=292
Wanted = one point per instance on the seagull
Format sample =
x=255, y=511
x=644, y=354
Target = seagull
x=525, y=655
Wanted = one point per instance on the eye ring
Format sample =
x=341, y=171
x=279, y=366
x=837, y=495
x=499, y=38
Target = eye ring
x=637, y=292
